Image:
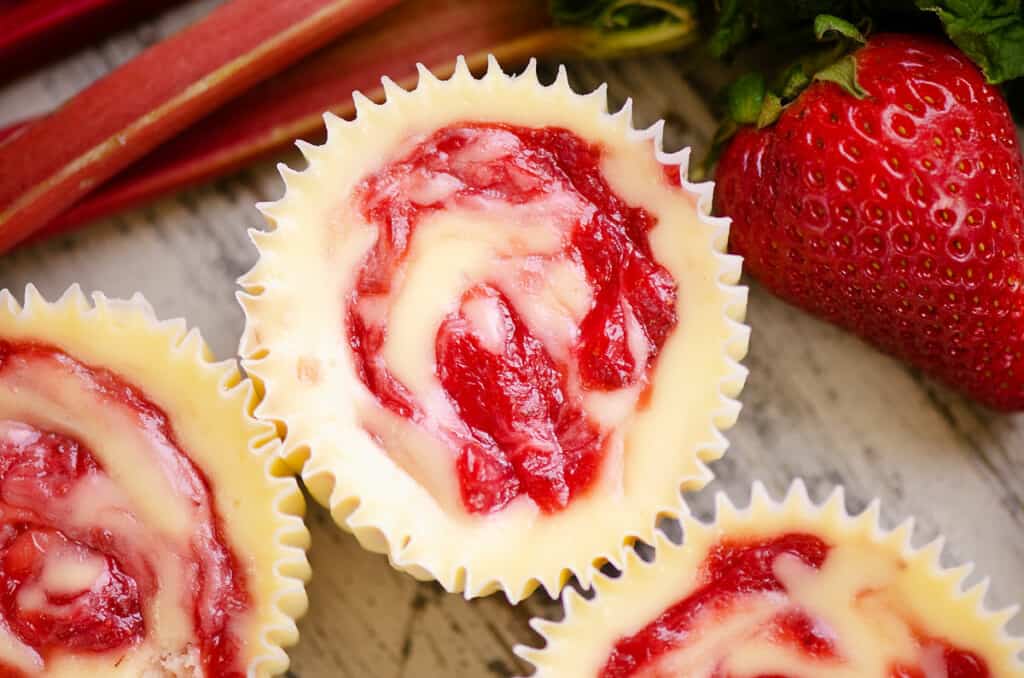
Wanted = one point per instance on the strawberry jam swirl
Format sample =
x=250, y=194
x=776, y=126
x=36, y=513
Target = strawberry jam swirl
x=515, y=369
x=743, y=602
x=81, y=570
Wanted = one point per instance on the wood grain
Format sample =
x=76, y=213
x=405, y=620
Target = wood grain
x=819, y=404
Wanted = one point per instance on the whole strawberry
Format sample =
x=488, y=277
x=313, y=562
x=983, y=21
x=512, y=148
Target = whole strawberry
x=898, y=215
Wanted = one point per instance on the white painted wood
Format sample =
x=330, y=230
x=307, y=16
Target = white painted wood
x=819, y=403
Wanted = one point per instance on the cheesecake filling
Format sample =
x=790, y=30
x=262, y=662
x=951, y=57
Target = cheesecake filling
x=510, y=308
x=791, y=606
x=110, y=541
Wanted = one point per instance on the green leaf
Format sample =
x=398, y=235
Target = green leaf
x=790, y=23
x=793, y=81
x=735, y=24
x=844, y=74
x=827, y=26
x=991, y=32
x=745, y=98
x=771, y=109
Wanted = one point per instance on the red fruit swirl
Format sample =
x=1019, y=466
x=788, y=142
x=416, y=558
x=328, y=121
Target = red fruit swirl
x=525, y=429
x=43, y=530
x=733, y=570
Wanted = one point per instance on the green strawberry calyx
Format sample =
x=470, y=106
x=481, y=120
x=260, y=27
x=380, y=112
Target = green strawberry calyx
x=990, y=32
x=752, y=100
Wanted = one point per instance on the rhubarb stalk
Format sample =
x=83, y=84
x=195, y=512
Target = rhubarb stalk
x=50, y=164
x=291, y=105
x=433, y=32
x=35, y=31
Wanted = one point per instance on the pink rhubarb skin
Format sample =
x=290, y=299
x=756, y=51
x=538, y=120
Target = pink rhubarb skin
x=291, y=105
x=52, y=163
x=33, y=32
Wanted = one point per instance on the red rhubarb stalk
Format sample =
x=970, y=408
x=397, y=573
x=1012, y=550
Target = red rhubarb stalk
x=33, y=32
x=52, y=163
x=290, y=105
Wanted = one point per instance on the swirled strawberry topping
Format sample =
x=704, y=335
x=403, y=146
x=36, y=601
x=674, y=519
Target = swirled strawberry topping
x=733, y=574
x=519, y=424
x=80, y=570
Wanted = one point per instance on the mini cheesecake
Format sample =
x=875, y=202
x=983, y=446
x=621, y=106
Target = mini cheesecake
x=786, y=590
x=143, y=530
x=497, y=329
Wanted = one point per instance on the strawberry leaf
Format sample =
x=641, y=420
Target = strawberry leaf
x=991, y=32
x=793, y=81
x=786, y=21
x=827, y=26
x=844, y=74
x=771, y=109
x=745, y=98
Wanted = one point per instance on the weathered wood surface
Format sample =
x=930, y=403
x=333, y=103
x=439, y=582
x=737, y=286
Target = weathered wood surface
x=819, y=404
